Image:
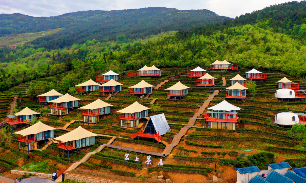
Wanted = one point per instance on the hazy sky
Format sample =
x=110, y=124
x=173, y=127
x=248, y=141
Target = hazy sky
x=230, y=8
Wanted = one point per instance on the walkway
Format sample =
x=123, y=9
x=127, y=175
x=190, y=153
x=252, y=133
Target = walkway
x=156, y=88
x=68, y=124
x=110, y=96
x=85, y=158
x=36, y=180
x=177, y=138
x=48, y=143
x=224, y=81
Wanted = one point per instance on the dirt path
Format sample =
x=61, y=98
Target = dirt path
x=11, y=111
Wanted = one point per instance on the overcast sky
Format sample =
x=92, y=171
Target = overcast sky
x=38, y=8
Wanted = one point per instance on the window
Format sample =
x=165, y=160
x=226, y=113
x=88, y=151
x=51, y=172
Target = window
x=290, y=92
x=293, y=118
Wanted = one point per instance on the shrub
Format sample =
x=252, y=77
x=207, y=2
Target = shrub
x=233, y=153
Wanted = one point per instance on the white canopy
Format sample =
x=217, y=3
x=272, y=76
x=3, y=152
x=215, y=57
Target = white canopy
x=89, y=83
x=98, y=104
x=35, y=129
x=65, y=98
x=146, y=68
x=135, y=107
x=253, y=71
x=111, y=83
x=237, y=86
x=217, y=62
x=284, y=80
x=160, y=124
x=142, y=84
x=198, y=69
x=224, y=106
x=76, y=134
x=178, y=86
x=26, y=111
x=207, y=76
x=110, y=73
x=238, y=77
x=51, y=93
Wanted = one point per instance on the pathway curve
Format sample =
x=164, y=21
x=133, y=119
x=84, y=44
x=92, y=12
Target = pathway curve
x=224, y=81
x=110, y=96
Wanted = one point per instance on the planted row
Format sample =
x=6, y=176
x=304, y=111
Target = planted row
x=202, y=145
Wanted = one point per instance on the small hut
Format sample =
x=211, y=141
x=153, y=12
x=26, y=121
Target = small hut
x=255, y=74
x=141, y=88
x=245, y=174
x=196, y=72
x=107, y=77
x=289, y=94
x=177, y=90
x=286, y=83
x=88, y=86
x=30, y=136
x=222, y=116
x=75, y=139
x=22, y=116
x=62, y=105
x=238, y=79
x=146, y=71
x=49, y=96
x=219, y=65
x=95, y=110
x=111, y=87
x=131, y=115
x=206, y=80
x=236, y=91
x=155, y=128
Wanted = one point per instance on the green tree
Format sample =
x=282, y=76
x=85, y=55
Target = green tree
x=298, y=131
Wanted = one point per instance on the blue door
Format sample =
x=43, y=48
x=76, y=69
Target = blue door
x=47, y=134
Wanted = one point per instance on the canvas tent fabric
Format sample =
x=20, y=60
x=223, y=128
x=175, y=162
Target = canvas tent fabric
x=238, y=77
x=26, y=111
x=65, y=98
x=89, y=83
x=207, y=76
x=146, y=68
x=35, y=129
x=76, y=134
x=224, y=106
x=284, y=80
x=154, y=68
x=51, y=93
x=253, y=71
x=296, y=178
x=110, y=73
x=217, y=62
x=135, y=107
x=246, y=170
x=111, y=83
x=275, y=177
x=258, y=179
x=178, y=86
x=142, y=84
x=97, y=104
x=198, y=69
x=160, y=124
x=237, y=86
x=281, y=165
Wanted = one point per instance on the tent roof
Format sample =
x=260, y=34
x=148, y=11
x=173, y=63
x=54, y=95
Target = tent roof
x=154, y=68
x=97, y=104
x=237, y=86
x=35, y=129
x=253, y=71
x=217, y=62
x=110, y=73
x=238, y=77
x=111, y=83
x=160, y=123
x=51, y=93
x=224, y=106
x=65, y=98
x=197, y=69
x=141, y=84
x=146, y=68
x=89, y=83
x=284, y=80
x=26, y=111
x=135, y=107
x=250, y=169
x=207, y=76
x=76, y=134
x=178, y=86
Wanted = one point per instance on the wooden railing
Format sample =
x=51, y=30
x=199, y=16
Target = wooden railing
x=25, y=139
x=132, y=73
x=147, y=135
x=300, y=94
x=105, y=90
x=204, y=82
x=132, y=91
x=216, y=119
x=180, y=94
x=86, y=113
x=81, y=89
x=196, y=74
x=42, y=99
x=55, y=106
x=149, y=74
x=232, y=67
x=235, y=94
x=133, y=117
x=257, y=76
x=102, y=79
x=293, y=86
x=65, y=146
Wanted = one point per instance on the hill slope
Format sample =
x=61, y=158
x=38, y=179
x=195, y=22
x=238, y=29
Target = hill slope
x=87, y=25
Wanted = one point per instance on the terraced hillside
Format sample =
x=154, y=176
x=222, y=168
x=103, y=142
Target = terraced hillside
x=202, y=153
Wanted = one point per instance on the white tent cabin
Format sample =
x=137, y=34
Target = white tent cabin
x=286, y=83
x=62, y=105
x=222, y=116
x=88, y=86
x=30, y=136
x=107, y=77
x=130, y=116
x=238, y=79
x=206, y=80
x=111, y=87
x=95, y=110
x=220, y=65
x=178, y=90
x=146, y=71
x=75, y=139
x=236, y=91
x=255, y=74
x=288, y=119
x=141, y=88
x=25, y=115
x=289, y=94
x=196, y=72
x=49, y=96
